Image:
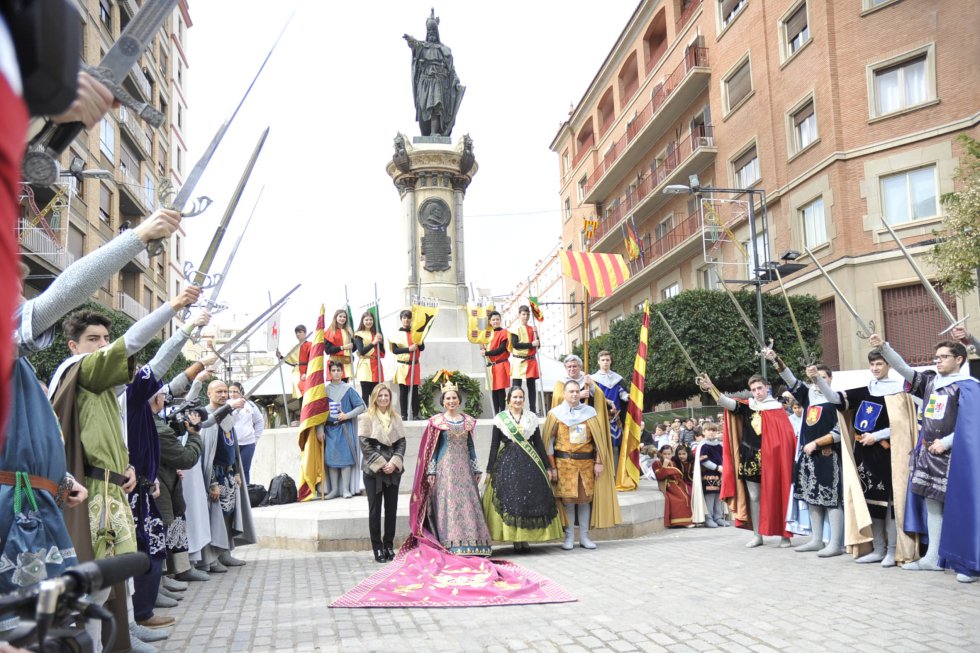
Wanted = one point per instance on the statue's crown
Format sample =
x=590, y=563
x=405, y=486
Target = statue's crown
x=432, y=20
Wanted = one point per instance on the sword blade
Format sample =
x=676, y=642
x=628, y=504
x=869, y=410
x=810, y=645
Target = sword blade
x=922, y=277
x=862, y=323
x=184, y=194
x=201, y=274
x=252, y=326
x=740, y=310
x=792, y=317
x=234, y=250
x=272, y=370
x=677, y=341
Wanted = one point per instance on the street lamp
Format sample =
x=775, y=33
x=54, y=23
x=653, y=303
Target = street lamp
x=77, y=170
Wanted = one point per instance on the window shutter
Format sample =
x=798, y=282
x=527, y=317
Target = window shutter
x=739, y=85
x=796, y=23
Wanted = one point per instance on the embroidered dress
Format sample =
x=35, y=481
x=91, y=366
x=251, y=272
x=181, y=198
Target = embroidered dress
x=456, y=512
x=677, y=504
x=519, y=503
x=819, y=479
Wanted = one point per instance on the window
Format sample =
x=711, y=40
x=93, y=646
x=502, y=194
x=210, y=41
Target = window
x=568, y=209
x=180, y=160
x=180, y=116
x=814, y=223
x=107, y=138
x=580, y=188
x=564, y=162
x=663, y=227
x=738, y=85
x=673, y=290
x=618, y=318
x=910, y=195
x=796, y=30
x=828, y=334
x=593, y=333
x=177, y=255
x=746, y=168
x=911, y=319
x=105, y=15
x=804, y=126
x=76, y=242
x=907, y=83
x=574, y=343
x=150, y=187
x=638, y=307
x=760, y=252
x=572, y=306
x=707, y=278
x=728, y=10
x=105, y=203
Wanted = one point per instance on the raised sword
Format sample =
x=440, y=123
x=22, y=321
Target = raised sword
x=741, y=312
x=41, y=159
x=252, y=327
x=866, y=327
x=699, y=377
x=177, y=199
x=807, y=359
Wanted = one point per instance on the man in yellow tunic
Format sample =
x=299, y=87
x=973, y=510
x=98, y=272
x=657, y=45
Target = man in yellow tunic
x=578, y=448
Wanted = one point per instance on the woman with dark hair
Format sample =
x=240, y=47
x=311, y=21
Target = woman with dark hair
x=338, y=342
x=448, y=455
x=519, y=503
x=370, y=348
x=684, y=461
x=381, y=435
x=677, y=504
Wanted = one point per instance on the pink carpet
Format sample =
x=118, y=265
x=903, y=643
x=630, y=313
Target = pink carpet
x=425, y=576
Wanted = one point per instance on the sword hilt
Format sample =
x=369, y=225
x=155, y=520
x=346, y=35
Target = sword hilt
x=864, y=335
x=191, y=275
x=955, y=324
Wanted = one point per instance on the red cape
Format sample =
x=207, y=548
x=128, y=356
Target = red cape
x=778, y=445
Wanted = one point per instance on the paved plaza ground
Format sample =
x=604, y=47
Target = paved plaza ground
x=683, y=590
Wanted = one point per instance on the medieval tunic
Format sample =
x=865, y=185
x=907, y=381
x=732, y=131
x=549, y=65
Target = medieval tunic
x=144, y=448
x=498, y=357
x=819, y=476
x=519, y=503
x=299, y=363
x=455, y=511
x=940, y=406
x=174, y=455
x=758, y=446
x=33, y=445
x=369, y=357
x=334, y=342
x=709, y=453
x=612, y=388
x=677, y=504
x=526, y=356
x=409, y=369
x=340, y=445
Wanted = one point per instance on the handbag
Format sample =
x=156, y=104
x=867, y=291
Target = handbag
x=30, y=548
x=104, y=542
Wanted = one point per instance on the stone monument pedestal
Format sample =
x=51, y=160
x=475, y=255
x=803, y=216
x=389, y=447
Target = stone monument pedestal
x=431, y=175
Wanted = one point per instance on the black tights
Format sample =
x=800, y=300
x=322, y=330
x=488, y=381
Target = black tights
x=532, y=396
x=403, y=391
x=499, y=400
x=367, y=387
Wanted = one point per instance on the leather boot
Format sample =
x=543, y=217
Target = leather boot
x=569, y=542
x=816, y=529
x=334, y=475
x=877, y=553
x=584, y=515
x=891, y=533
x=835, y=546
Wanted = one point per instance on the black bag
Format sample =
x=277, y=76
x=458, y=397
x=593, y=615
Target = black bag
x=256, y=494
x=282, y=490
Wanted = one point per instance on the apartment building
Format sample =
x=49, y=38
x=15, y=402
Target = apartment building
x=547, y=284
x=118, y=167
x=843, y=112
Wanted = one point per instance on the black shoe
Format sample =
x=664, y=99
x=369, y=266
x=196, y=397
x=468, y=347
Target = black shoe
x=389, y=554
x=379, y=555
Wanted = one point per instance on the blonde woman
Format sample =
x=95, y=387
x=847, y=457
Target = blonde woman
x=382, y=440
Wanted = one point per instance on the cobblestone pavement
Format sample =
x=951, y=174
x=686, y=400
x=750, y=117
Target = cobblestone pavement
x=687, y=590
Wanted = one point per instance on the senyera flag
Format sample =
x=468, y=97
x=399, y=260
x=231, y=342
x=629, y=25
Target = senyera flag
x=628, y=472
x=601, y=274
x=313, y=415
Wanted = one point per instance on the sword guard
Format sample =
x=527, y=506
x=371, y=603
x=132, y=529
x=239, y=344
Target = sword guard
x=702, y=382
x=863, y=335
x=166, y=193
x=198, y=206
x=808, y=360
x=213, y=307
x=190, y=272
x=955, y=324
x=184, y=314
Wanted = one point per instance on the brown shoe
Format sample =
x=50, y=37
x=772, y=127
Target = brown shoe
x=156, y=621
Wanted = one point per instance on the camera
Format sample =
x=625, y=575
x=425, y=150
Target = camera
x=52, y=614
x=179, y=416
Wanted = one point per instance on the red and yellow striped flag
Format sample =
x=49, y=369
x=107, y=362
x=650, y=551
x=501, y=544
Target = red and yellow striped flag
x=601, y=274
x=313, y=414
x=628, y=472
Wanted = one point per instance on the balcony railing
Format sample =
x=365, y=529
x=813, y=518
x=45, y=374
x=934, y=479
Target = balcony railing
x=135, y=130
x=583, y=149
x=131, y=307
x=142, y=83
x=136, y=190
x=144, y=258
x=701, y=137
x=696, y=57
x=39, y=243
x=685, y=16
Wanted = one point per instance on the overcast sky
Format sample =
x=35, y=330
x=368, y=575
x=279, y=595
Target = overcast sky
x=335, y=93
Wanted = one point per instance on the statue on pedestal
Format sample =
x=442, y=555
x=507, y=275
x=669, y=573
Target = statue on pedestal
x=437, y=90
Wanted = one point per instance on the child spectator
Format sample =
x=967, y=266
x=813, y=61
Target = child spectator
x=710, y=457
x=677, y=501
x=648, y=453
x=685, y=462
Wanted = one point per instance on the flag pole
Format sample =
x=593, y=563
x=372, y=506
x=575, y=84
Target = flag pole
x=534, y=323
x=282, y=380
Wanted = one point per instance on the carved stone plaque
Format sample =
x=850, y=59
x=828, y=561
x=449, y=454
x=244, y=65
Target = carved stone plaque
x=434, y=216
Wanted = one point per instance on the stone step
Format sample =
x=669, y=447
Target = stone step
x=341, y=524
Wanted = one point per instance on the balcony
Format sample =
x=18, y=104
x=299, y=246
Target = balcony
x=667, y=104
x=140, y=264
x=686, y=16
x=135, y=132
x=39, y=242
x=131, y=307
x=583, y=149
x=137, y=82
x=134, y=198
x=674, y=245
x=691, y=156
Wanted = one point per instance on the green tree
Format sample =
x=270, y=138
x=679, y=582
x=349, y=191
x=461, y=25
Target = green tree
x=715, y=337
x=47, y=360
x=956, y=255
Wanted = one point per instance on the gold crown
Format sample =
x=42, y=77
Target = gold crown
x=447, y=386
